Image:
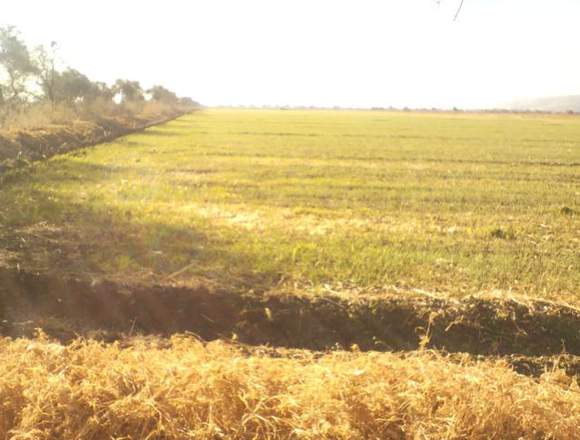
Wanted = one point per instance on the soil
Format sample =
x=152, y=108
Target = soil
x=531, y=336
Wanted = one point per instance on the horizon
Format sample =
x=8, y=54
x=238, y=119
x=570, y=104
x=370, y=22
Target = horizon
x=369, y=54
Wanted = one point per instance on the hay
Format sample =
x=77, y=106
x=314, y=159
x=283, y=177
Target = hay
x=185, y=389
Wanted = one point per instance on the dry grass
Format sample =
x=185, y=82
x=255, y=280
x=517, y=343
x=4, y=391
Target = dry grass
x=186, y=390
x=41, y=131
x=41, y=115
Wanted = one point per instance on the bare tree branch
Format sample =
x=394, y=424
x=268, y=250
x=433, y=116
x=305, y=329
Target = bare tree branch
x=458, y=11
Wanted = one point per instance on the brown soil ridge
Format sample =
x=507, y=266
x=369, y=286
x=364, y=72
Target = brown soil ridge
x=67, y=308
x=18, y=147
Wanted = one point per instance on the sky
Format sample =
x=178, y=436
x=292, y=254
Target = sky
x=349, y=53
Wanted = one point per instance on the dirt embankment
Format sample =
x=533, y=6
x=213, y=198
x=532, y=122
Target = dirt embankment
x=66, y=308
x=18, y=147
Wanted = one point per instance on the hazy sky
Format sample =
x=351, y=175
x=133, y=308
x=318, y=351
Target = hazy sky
x=318, y=52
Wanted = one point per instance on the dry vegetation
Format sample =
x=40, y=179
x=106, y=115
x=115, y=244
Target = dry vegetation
x=44, y=130
x=44, y=115
x=188, y=390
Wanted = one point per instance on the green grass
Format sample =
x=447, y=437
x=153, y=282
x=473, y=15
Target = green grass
x=354, y=200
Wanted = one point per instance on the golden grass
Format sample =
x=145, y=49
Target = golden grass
x=183, y=390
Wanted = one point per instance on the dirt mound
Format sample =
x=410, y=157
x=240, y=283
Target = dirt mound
x=66, y=308
x=21, y=146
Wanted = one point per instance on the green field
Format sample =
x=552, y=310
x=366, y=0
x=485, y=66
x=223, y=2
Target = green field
x=312, y=201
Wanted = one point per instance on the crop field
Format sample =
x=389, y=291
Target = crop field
x=348, y=201
x=360, y=274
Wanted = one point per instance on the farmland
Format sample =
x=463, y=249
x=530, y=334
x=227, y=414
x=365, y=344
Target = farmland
x=362, y=201
x=324, y=253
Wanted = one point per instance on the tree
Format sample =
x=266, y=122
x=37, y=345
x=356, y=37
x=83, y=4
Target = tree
x=103, y=91
x=188, y=102
x=16, y=66
x=458, y=10
x=71, y=85
x=130, y=91
x=161, y=94
x=46, y=59
x=31, y=78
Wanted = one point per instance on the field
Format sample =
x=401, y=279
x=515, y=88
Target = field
x=363, y=201
x=335, y=238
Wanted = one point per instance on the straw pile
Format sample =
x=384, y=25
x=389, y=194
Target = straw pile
x=184, y=389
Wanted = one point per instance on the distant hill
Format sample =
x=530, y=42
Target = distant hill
x=548, y=104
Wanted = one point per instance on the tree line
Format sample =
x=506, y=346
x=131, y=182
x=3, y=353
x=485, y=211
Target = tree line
x=30, y=77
